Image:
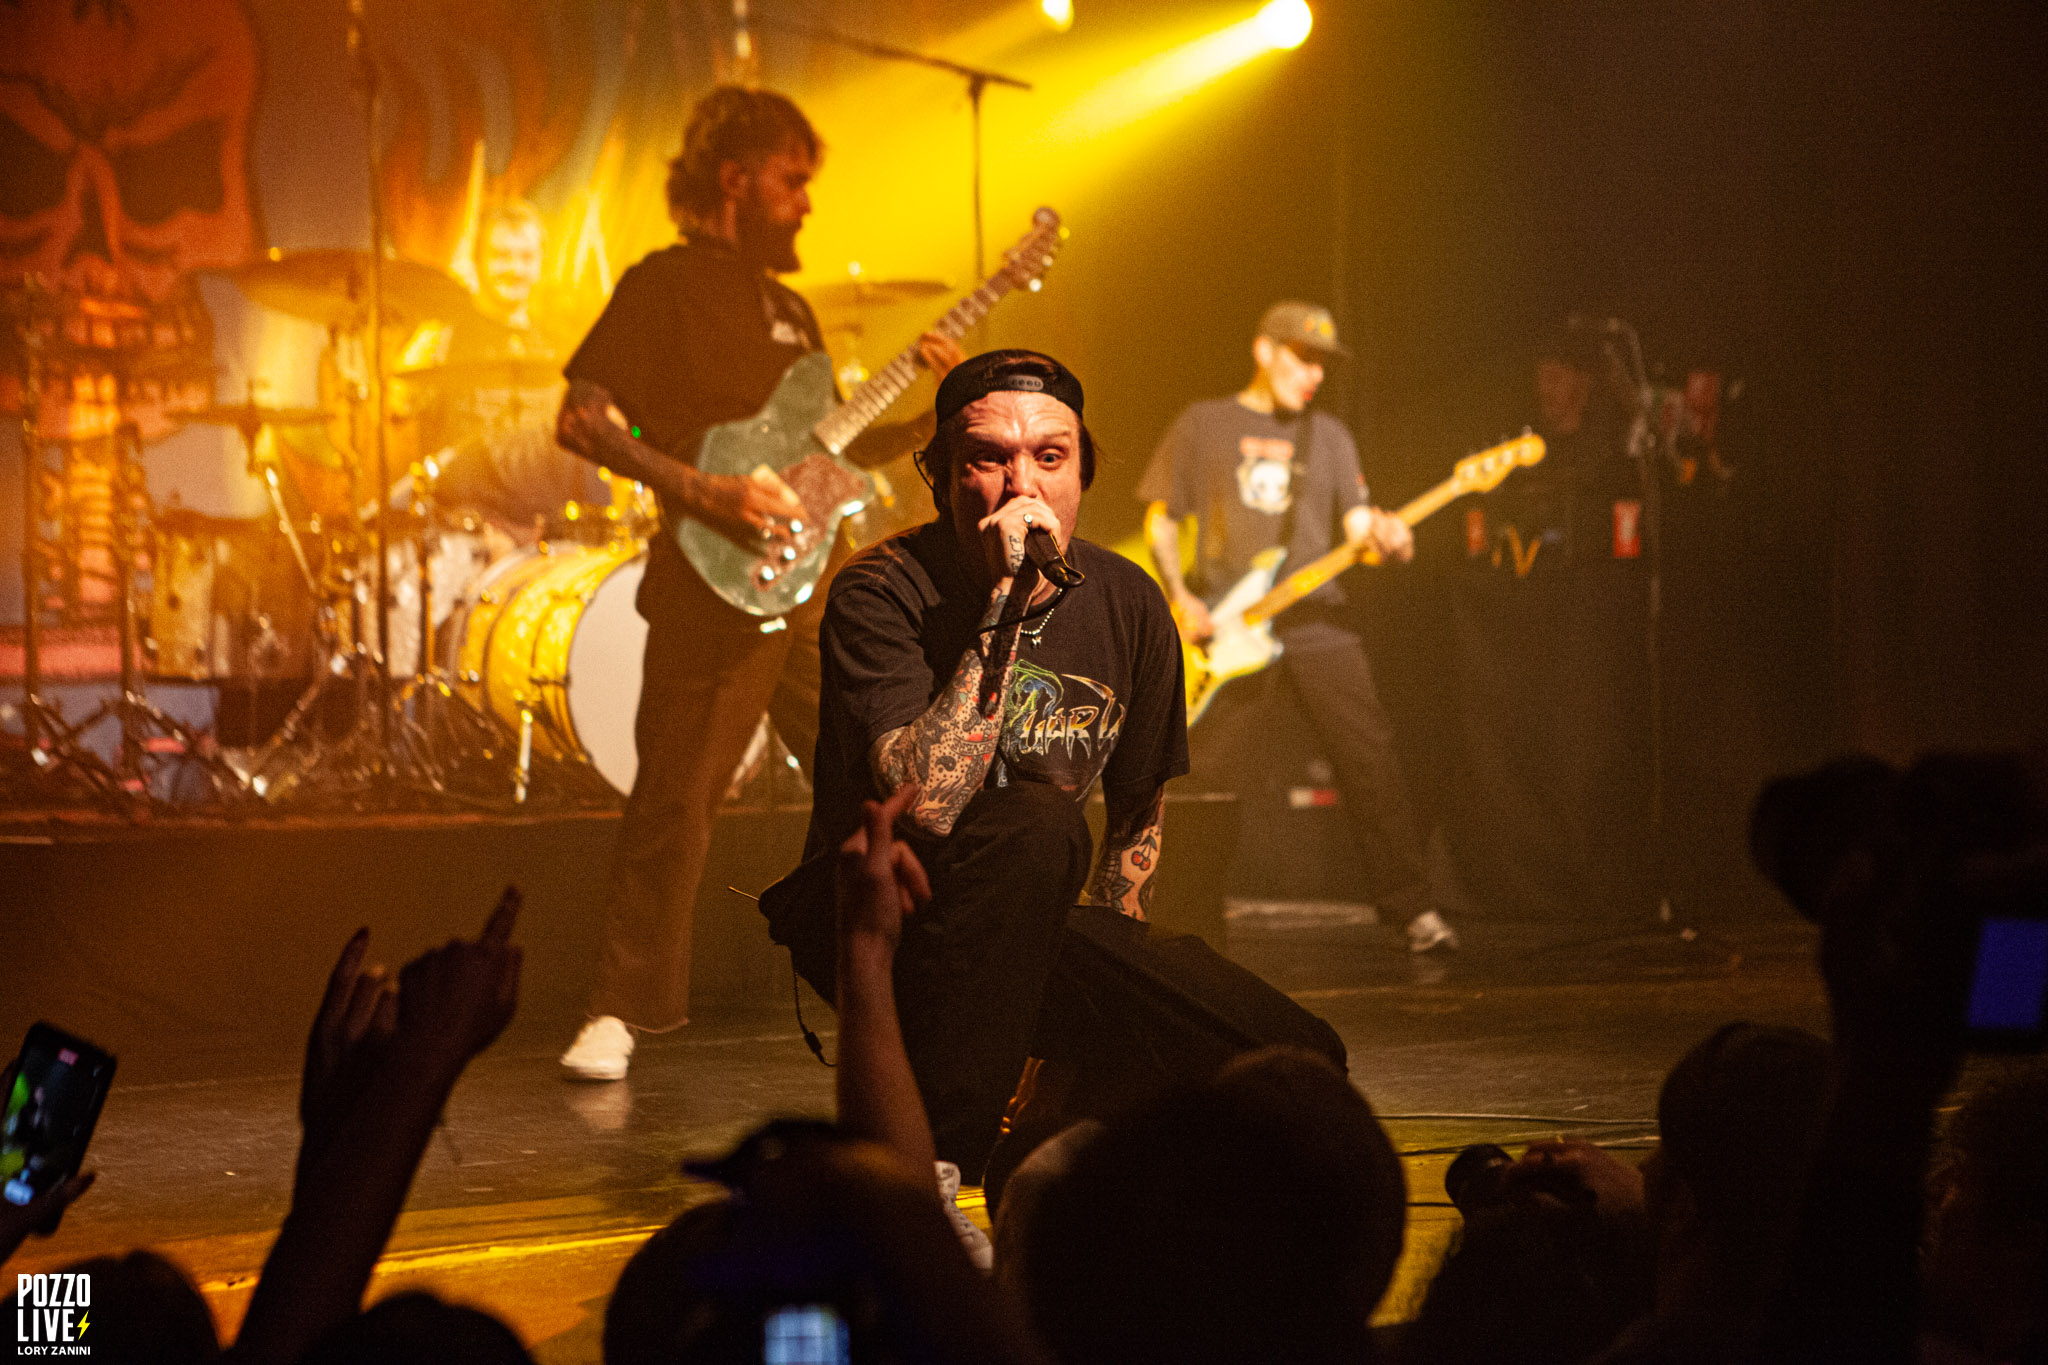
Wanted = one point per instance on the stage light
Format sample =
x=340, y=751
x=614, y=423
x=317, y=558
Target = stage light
x=1058, y=13
x=1285, y=23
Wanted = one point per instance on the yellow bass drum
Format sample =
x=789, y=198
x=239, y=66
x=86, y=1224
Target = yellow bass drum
x=553, y=639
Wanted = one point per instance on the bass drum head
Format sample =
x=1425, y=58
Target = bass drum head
x=605, y=662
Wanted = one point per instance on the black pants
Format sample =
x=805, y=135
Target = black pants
x=973, y=966
x=710, y=672
x=1329, y=679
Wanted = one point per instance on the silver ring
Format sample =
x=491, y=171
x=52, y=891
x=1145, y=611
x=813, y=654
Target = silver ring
x=1027, y=518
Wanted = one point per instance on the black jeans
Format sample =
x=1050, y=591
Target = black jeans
x=973, y=965
x=1331, y=681
x=709, y=674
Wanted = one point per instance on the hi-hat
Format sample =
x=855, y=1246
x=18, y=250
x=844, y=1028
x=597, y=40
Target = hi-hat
x=331, y=286
x=861, y=292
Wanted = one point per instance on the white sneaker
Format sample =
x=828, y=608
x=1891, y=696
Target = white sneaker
x=979, y=1249
x=1428, y=931
x=600, y=1051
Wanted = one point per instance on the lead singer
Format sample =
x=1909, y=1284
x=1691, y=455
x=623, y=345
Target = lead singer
x=951, y=662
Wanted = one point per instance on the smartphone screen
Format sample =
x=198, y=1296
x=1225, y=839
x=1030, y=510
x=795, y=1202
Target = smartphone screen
x=2008, y=1006
x=51, y=1107
x=806, y=1334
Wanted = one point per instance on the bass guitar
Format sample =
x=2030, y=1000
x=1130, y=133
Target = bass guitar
x=1243, y=617
x=799, y=437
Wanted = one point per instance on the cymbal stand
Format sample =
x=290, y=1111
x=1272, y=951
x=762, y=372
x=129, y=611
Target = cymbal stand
x=153, y=744
x=66, y=767
x=458, y=750
x=55, y=747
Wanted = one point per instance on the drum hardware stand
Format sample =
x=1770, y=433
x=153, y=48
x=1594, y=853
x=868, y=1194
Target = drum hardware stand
x=56, y=746
x=388, y=758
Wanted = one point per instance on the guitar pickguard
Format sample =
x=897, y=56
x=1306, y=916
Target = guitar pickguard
x=1236, y=648
x=779, y=436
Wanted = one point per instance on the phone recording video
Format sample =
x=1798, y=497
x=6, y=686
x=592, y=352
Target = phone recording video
x=52, y=1103
x=806, y=1334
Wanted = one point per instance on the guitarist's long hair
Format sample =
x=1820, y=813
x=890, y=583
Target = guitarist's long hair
x=731, y=123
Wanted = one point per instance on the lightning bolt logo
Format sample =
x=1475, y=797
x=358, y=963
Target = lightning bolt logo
x=84, y=1323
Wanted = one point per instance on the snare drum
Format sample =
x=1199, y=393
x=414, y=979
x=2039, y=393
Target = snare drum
x=553, y=640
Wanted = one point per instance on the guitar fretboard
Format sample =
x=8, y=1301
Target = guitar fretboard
x=1476, y=474
x=1317, y=572
x=837, y=430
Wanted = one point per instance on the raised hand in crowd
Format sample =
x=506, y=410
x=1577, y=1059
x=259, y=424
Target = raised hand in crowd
x=878, y=881
x=380, y=1063
x=1898, y=870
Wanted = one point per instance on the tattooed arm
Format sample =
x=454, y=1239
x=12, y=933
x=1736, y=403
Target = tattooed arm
x=1122, y=879
x=946, y=751
x=591, y=425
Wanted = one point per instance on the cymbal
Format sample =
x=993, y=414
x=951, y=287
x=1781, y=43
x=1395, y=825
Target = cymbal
x=499, y=372
x=332, y=286
x=253, y=415
x=866, y=293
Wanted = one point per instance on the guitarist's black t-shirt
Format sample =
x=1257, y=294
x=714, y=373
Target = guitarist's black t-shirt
x=692, y=336
x=1099, y=695
x=1240, y=473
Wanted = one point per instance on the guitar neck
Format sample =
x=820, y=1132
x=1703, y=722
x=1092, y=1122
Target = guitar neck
x=1317, y=572
x=887, y=384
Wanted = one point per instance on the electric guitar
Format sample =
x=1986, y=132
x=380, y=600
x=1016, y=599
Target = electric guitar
x=1243, y=617
x=798, y=440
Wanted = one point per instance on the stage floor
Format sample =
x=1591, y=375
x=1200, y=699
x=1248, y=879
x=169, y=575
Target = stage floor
x=539, y=1190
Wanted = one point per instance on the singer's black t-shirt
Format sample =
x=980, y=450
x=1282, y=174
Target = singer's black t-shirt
x=1099, y=694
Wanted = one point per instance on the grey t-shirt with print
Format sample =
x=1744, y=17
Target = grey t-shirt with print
x=1238, y=472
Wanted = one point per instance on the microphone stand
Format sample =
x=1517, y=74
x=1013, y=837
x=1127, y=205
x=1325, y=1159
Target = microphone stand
x=1651, y=450
x=365, y=72
x=978, y=80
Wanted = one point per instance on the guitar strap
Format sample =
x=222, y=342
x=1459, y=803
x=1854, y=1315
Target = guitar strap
x=1297, y=475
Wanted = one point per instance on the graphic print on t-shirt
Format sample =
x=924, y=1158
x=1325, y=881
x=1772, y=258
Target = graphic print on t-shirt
x=1059, y=727
x=1265, y=473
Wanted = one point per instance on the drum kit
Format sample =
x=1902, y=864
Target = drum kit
x=505, y=673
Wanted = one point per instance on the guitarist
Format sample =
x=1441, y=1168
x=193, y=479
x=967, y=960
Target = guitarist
x=697, y=334
x=1258, y=470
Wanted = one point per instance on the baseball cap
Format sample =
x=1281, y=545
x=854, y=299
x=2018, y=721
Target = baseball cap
x=1005, y=371
x=1306, y=325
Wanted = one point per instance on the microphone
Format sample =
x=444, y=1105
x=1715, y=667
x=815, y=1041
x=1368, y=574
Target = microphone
x=1041, y=549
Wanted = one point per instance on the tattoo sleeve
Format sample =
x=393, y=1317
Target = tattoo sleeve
x=587, y=425
x=1122, y=879
x=947, y=750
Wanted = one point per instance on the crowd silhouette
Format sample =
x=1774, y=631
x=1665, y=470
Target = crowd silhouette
x=1809, y=1200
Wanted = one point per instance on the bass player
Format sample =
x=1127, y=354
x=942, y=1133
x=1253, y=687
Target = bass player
x=697, y=334
x=1258, y=470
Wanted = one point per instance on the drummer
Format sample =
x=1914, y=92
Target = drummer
x=490, y=386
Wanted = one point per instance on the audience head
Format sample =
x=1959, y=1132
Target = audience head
x=1549, y=1264
x=1740, y=1117
x=1256, y=1216
x=815, y=1217
x=143, y=1310
x=1987, y=1262
x=419, y=1329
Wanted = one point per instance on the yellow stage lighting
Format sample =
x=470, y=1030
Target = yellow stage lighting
x=1285, y=23
x=1058, y=13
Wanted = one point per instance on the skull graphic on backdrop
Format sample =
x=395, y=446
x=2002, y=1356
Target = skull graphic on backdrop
x=124, y=128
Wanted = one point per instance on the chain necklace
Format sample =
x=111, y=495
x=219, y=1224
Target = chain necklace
x=1043, y=621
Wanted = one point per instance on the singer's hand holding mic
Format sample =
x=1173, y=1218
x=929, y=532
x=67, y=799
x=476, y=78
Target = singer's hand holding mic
x=1025, y=530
